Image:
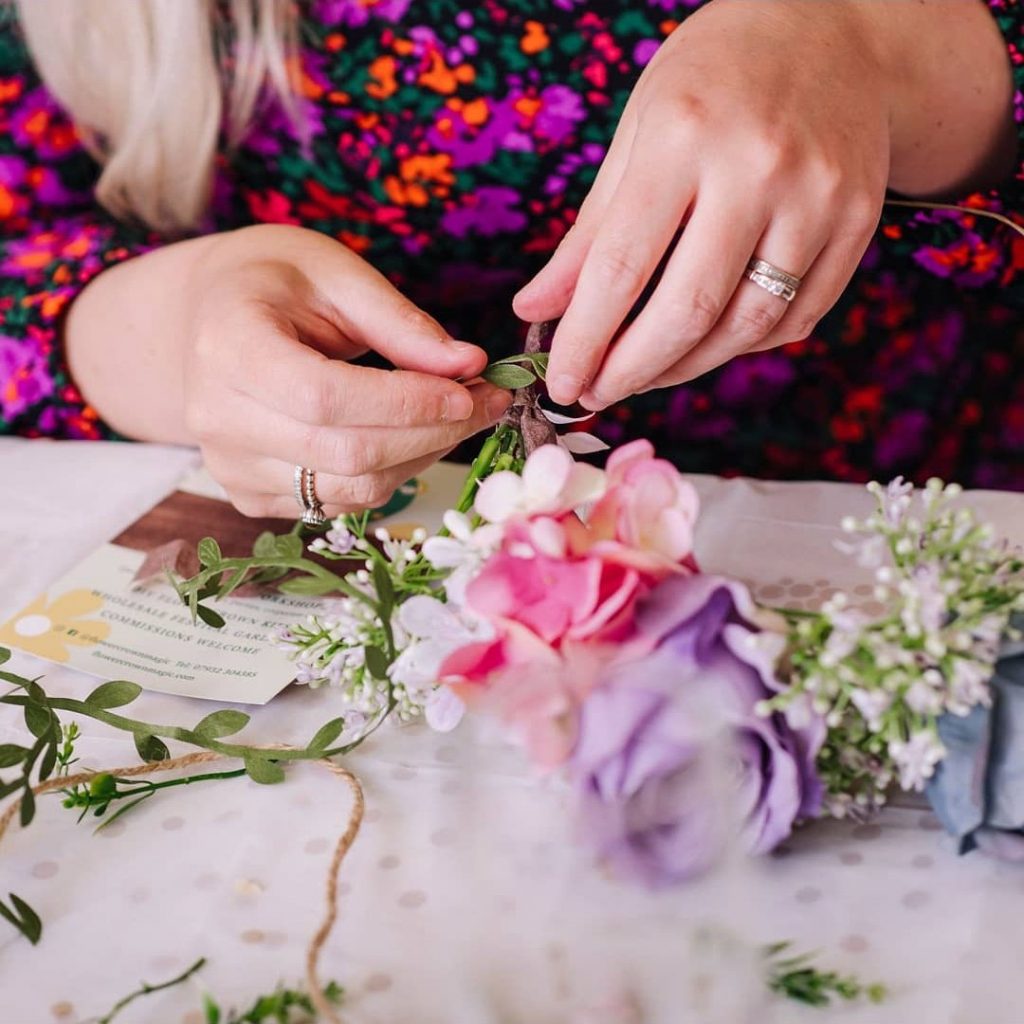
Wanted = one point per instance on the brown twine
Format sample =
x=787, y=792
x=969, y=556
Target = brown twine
x=341, y=848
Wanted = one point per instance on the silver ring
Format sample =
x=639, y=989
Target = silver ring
x=773, y=279
x=305, y=494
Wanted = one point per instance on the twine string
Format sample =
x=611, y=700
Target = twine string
x=341, y=848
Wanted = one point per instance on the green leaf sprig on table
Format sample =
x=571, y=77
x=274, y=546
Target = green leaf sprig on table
x=282, y=1006
x=795, y=977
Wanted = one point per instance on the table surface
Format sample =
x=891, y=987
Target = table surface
x=464, y=898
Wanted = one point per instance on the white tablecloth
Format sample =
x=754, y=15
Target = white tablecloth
x=464, y=899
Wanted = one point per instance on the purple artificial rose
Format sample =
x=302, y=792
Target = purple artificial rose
x=649, y=789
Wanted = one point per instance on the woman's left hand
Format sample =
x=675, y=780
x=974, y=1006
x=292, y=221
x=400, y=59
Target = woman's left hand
x=766, y=132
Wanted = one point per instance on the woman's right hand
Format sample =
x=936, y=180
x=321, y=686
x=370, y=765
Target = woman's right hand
x=263, y=322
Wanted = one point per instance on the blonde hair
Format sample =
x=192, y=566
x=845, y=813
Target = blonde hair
x=151, y=83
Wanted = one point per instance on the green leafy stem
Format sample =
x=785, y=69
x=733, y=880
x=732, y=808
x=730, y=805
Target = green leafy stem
x=49, y=751
x=795, y=977
x=105, y=790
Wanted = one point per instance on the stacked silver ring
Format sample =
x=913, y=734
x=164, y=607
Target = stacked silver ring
x=305, y=494
x=772, y=279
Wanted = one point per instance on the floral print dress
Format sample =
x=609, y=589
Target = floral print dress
x=451, y=143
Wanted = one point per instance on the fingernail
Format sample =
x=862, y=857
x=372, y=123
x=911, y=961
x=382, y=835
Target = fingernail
x=593, y=401
x=461, y=346
x=564, y=388
x=458, y=406
x=497, y=405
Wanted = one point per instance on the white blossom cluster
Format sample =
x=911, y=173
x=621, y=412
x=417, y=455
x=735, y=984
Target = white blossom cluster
x=404, y=617
x=882, y=681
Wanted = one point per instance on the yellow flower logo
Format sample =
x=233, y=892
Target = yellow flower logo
x=48, y=630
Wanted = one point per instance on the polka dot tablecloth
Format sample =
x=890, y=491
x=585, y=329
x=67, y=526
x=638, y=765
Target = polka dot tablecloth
x=464, y=900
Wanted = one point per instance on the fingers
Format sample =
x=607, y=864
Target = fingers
x=249, y=430
x=283, y=374
x=369, y=310
x=792, y=245
x=821, y=287
x=636, y=231
x=547, y=296
x=825, y=282
x=265, y=489
x=700, y=278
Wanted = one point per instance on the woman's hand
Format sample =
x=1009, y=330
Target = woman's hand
x=246, y=354
x=768, y=130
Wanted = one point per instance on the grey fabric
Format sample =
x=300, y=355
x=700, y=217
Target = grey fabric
x=978, y=789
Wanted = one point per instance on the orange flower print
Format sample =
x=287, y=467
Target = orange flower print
x=382, y=83
x=444, y=79
x=419, y=178
x=535, y=38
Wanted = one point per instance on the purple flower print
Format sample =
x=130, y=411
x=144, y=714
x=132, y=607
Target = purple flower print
x=356, y=13
x=23, y=377
x=488, y=211
x=561, y=110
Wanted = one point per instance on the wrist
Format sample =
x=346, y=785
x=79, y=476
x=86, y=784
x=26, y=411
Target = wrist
x=946, y=79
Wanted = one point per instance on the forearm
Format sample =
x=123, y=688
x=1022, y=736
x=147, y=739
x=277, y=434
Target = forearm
x=124, y=338
x=950, y=91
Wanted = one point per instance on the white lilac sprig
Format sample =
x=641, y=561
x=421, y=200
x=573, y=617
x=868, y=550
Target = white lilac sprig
x=947, y=589
x=353, y=643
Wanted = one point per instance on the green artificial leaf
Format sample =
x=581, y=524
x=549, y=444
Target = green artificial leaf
x=288, y=546
x=209, y=552
x=376, y=662
x=11, y=754
x=37, y=719
x=7, y=788
x=308, y=586
x=211, y=1011
x=35, y=693
x=211, y=588
x=222, y=723
x=261, y=770
x=509, y=376
x=384, y=587
x=114, y=694
x=28, y=806
x=23, y=917
x=326, y=735
x=151, y=748
x=5, y=655
x=266, y=545
x=210, y=617
x=49, y=761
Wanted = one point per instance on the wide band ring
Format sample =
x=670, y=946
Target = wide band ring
x=305, y=494
x=773, y=279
